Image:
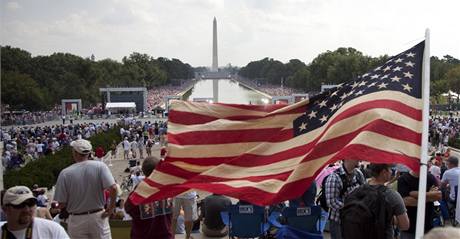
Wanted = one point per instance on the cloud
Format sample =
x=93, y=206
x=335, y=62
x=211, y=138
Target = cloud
x=247, y=29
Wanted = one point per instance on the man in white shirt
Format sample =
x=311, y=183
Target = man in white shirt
x=19, y=205
x=451, y=175
x=80, y=190
x=126, y=148
x=40, y=147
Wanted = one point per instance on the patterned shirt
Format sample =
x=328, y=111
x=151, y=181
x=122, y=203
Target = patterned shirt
x=334, y=186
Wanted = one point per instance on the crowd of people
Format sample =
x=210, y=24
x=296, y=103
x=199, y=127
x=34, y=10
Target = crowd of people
x=442, y=130
x=270, y=89
x=27, y=118
x=346, y=192
x=156, y=96
x=23, y=144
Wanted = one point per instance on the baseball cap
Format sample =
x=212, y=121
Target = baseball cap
x=82, y=146
x=17, y=195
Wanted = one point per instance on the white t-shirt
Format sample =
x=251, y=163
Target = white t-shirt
x=451, y=176
x=40, y=147
x=126, y=145
x=42, y=229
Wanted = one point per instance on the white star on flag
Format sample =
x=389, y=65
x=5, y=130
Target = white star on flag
x=323, y=119
x=312, y=114
x=303, y=126
x=382, y=85
x=395, y=78
x=334, y=107
x=409, y=63
x=407, y=87
x=322, y=104
x=408, y=75
x=375, y=76
x=397, y=69
x=371, y=84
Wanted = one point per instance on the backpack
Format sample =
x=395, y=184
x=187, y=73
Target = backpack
x=365, y=213
x=321, y=200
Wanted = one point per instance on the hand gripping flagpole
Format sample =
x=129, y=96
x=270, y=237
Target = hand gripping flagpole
x=420, y=226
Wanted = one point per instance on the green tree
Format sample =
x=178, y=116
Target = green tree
x=15, y=59
x=339, y=66
x=301, y=80
x=20, y=91
x=437, y=88
x=453, y=80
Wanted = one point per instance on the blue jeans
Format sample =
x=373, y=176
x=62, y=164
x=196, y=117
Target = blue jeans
x=334, y=228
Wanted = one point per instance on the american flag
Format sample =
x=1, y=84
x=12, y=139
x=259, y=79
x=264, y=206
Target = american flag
x=266, y=154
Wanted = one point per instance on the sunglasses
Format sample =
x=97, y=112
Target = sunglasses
x=29, y=203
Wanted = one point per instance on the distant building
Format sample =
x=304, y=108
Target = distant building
x=137, y=95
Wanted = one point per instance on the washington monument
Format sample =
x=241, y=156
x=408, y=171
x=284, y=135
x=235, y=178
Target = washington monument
x=215, y=66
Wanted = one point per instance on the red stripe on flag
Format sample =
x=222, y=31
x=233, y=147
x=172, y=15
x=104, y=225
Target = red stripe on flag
x=187, y=118
x=230, y=136
x=192, y=118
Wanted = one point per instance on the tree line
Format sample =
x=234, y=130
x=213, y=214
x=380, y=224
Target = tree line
x=40, y=82
x=342, y=65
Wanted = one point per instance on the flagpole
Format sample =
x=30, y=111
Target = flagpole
x=420, y=226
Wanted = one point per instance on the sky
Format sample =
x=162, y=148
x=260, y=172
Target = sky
x=248, y=30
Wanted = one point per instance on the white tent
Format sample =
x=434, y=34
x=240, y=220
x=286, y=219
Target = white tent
x=120, y=106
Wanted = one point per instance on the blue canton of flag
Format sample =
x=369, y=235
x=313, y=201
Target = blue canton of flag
x=400, y=73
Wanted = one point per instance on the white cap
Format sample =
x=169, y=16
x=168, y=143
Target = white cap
x=17, y=195
x=82, y=146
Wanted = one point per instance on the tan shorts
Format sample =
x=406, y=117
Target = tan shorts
x=89, y=226
x=189, y=206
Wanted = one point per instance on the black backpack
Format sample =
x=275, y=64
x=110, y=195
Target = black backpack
x=321, y=200
x=365, y=213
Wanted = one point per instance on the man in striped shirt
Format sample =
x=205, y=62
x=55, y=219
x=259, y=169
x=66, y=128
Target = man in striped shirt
x=339, y=184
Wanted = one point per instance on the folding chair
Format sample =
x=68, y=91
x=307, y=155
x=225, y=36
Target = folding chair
x=304, y=218
x=290, y=232
x=246, y=221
